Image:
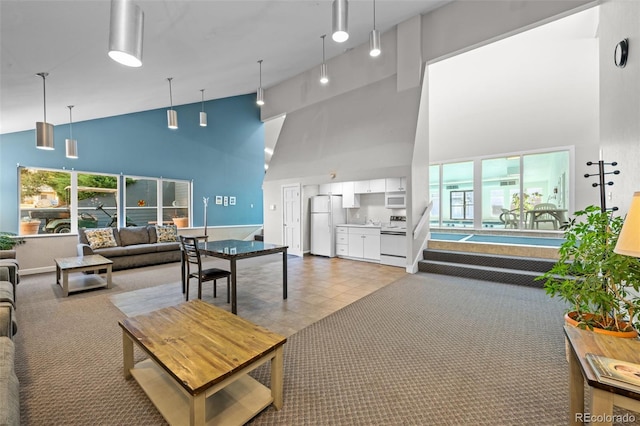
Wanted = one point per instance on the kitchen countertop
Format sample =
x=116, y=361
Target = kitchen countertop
x=362, y=225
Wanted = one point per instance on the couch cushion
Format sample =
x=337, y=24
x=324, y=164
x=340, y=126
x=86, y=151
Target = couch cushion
x=153, y=237
x=100, y=238
x=6, y=321
x=110, y=252
x=140, y=249
x=9, y=385
x=167, y=246
x=6, y=292
x=132, y=235
x=167, y=233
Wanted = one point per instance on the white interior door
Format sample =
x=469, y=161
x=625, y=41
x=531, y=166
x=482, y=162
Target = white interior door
x=291, y=211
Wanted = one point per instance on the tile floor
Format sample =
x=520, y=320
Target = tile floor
x=317, y=287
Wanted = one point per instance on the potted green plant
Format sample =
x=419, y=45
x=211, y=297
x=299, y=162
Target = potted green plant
x=592, y=279
x=8, y=240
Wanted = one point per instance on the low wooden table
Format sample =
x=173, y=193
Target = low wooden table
x=603, y=396
x=65, y=265
x=199, y=359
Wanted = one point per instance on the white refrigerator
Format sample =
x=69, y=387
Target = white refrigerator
x=326, y=213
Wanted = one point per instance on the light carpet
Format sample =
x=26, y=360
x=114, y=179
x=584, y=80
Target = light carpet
x=424, y=350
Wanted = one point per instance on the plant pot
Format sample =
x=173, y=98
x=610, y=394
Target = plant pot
x=29, y=228
x=633, y=334
x=181, y=222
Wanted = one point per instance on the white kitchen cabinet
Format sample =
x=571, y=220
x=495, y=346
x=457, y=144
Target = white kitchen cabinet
x=364, y=243
x=350, y=199
x=334, y=188
x=370, y=186
x=342, y=241
x=396, y=184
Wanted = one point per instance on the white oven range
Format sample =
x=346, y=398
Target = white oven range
x=393, y=242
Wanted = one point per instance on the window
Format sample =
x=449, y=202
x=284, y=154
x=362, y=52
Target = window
x=43, y=201
x=512, y=188
x=457, y=187
x=461, y=205
x=500, y=180
x=49, y=199
x=434, y=194
x=141, y=201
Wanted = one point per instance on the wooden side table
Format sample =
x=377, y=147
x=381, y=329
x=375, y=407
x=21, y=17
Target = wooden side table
x=603, y=396
x=198, y=365
x=66, y=265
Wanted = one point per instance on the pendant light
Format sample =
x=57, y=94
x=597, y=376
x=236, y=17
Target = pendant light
x=340, y=20
x=324, y=76
x=125, y=33
x=172, y=115
x=71, y=143
x=374, y=37
x=260, y=95
x=44, y=130
x=203, y=115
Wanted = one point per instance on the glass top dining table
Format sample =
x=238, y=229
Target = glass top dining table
x=232, y=250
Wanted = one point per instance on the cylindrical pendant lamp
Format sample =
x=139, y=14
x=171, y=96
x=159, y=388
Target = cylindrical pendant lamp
x=172, y=115
x=340, y=21
x=44, y=130
x=374, y=43
x=324, y=75
x=260, y=93
x=374, y=36
x=71, y=144
x=203, y=115
x=125, y=33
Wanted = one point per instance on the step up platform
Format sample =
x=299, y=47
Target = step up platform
x=487, y=267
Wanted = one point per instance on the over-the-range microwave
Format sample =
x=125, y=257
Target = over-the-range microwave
x=395, y=200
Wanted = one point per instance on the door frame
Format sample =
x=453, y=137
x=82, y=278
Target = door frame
x=290, y=250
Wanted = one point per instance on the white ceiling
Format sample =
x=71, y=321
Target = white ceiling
x=212, y=45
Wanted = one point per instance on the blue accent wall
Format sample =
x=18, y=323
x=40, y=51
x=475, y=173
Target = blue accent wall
x=224, y=158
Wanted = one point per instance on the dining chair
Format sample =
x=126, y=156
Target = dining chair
x=192, y=261
x=509, y=218
x=539, y=218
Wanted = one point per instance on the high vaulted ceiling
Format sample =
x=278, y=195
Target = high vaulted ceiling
x=212, y=45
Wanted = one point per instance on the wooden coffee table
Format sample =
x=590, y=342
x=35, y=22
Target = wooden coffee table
x=199, y=357
x=65, y=265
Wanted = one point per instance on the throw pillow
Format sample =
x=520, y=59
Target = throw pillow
x=167, y=233
x=100, y=238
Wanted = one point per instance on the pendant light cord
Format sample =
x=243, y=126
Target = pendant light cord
x=70, y=122
x=202, y=90
x=260, y=62
x=322, y=37
x=374, y=14
x=170, y=94
x=44, y=92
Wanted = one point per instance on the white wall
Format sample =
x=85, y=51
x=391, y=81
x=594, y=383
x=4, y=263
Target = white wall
x=620, y=99
x=349, y=134
x=446, y=31
x=534, y=91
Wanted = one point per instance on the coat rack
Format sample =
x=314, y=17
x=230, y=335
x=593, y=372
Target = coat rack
x=601, y=182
